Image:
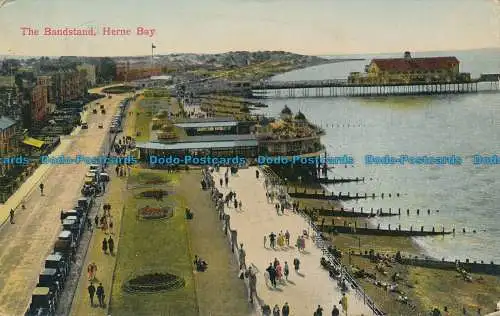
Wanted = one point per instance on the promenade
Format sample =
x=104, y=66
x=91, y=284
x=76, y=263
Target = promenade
x=258, y=218
x=27, y=242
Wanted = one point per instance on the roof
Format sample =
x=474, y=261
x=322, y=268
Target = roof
x=161, y=77
x=6, y=122
x=206, y=124
x=199, y=145
x=33, y=142
x=207, y=119
x=215, y=138
x=410, y=64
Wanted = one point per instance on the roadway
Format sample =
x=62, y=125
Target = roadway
x=26, y=243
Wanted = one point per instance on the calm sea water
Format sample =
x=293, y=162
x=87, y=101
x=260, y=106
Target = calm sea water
x=467, y=196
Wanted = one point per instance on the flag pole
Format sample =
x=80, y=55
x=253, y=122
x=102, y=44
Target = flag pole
x=152, y=58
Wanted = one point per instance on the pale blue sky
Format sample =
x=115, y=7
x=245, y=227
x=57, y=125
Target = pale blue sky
x=302, y=26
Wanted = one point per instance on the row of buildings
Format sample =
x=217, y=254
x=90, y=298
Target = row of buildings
x=131, y=70
x=28, y=97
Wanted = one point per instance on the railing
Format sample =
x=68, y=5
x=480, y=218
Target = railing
x=298, y=84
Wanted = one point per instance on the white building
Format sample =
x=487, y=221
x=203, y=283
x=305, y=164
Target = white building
x=90, y=70
x=152, y=82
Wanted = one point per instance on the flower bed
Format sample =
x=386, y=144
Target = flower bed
x=154, y=282
x=157, y=194
x=155, y=212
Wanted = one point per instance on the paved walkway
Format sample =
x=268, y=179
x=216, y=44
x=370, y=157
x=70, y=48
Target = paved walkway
x=115, y=196
x=25, y=244
x=257, y=219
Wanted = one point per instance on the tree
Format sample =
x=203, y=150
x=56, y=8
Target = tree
x=106, y=69
x=10, y=66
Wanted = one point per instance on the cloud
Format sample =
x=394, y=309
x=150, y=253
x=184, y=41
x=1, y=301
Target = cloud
x=4, y=3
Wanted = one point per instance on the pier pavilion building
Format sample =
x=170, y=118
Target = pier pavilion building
x=411, y=70
x=224, y=137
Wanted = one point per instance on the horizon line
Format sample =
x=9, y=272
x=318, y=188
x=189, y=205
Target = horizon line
x=254, y=51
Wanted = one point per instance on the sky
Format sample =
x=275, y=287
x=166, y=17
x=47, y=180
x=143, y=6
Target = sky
x=315, y=27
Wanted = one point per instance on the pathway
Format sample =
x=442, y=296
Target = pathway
x=257, y=219
x=115, y=196
x=26, y=243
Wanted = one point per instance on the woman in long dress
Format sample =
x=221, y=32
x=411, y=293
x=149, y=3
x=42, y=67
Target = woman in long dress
x=279, y=273
x=281, y=240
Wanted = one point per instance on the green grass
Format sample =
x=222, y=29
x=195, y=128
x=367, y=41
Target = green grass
x=148, y=246
x=143, y=117
x=118, y=89
x=219, y=290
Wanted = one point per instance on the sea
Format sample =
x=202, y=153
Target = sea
x=467, y=196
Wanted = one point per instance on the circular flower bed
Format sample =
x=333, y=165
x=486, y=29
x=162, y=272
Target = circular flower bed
x=154, y=181
x=155, y=212
x=154, y=282
x=157, y=194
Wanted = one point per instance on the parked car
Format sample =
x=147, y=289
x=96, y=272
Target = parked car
x=85, y=126
x=100, y=125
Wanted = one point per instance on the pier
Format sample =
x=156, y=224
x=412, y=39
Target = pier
x=342, y=88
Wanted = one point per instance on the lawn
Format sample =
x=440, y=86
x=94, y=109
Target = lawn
x=220, y=292
x=141, y=116
x=149, y=246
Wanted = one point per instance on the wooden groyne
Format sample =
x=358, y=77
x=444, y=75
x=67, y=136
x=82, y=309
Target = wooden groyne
x=382, y=232
x=361, y=212
x=335, y=197
x=470, y=266
x=339, y=180
x=350, y=213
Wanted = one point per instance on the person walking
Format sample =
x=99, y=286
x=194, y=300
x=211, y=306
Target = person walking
x=296, y=264
x=285, y=311
x=11, y=216
x=111, y=245
x=242, y=256
x=272, y=274
x=272, y=240
x=343, y=303
x=91, y=290
x=319, y=311
x=287, y=238
x=100, y=295
x=62, y=216
x=96, y=220
x=252, y=282
x=89, y=271
x=265, y=241
x=287, y=271
x=110, y=225
x=41, y=188
x=335, y=311
x=105, y=246
x=276, y=310
x=93, y=271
